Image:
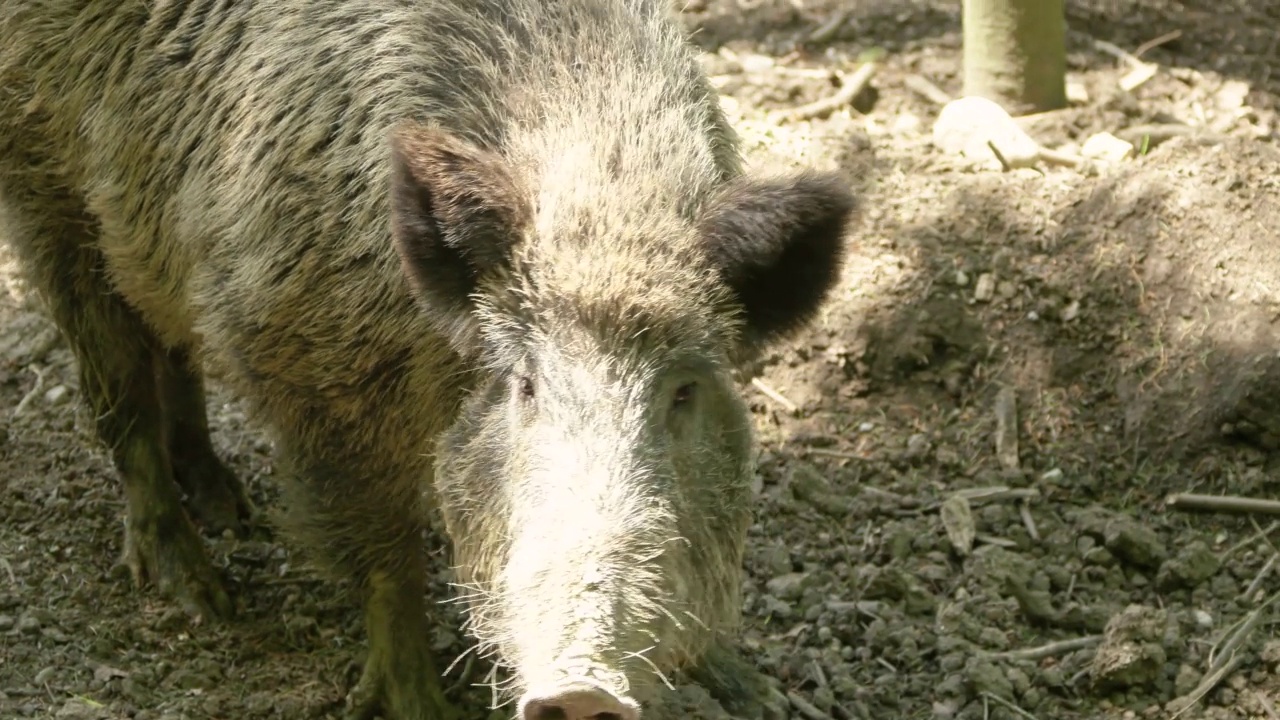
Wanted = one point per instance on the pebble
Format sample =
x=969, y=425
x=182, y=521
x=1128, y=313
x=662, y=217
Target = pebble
x=28, y=625
x=775, y=607
x=6, y=623
x=986, y=288
x=1053, y=475
x=55, y=394
x=917, y=446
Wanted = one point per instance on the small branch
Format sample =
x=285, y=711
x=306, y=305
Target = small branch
x=1156, y=42
x=925, y=87
x=1206, y=686
x=1005, y=164
x=1160, y=132
x=1008, y=705
x=828, y=29
x=998, y=492
x=1043, y=651
x=827, y=452
x=1058, y=157
x=1266, y=704
x=1140, y=71
x=853, y=86
x=1222, y=503
x=1262, y=575
x=35, y=390
x=1041, y=154
x=1238, y=638
x=774, y=395
x=1118, y=52
x=995, y=493
x=1259, y=535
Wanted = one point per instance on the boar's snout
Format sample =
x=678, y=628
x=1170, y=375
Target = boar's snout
x=576, y=701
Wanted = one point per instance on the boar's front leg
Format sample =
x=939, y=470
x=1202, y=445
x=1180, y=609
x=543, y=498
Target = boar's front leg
x=364, y=514
x=742, y=690
x=215, y=495
x=399, y=679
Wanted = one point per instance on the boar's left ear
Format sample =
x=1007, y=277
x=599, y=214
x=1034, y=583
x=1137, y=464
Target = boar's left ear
x=779, y=245
x=456, y=212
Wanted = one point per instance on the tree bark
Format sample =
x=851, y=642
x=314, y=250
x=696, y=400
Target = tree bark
x=1015, y=53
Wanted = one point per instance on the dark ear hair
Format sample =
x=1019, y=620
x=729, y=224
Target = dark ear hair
x=779, y=245
x=456, y=211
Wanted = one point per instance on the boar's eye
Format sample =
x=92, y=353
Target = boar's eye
x=683, y=394
x=524, y=385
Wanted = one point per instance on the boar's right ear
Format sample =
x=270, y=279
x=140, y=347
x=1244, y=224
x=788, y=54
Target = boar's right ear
x=778, y=244
x=456, y=212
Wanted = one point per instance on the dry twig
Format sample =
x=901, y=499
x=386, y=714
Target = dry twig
x=1007, y=705
x=853, y=86
x=1158, y=133
x=926, y=88
x=1222, y=503
x=828, y=29
x=1244, y=630
x=1266, y=704
x=1206, y=686
x=1041, y=652
x=774, y=395
x=998, y=492
x=1156, y=42
x=1262, y=576
x=35, y=390
x=1262, y=534
x=828, y=452
x=1140, y=71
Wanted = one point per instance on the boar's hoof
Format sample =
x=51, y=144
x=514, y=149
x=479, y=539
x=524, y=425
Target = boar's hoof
x=175, y=562
x=577, y=701
x=375, y=697
x=215, y=497
x=742, y=690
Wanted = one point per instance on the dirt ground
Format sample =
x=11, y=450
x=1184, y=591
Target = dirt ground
x=965, y=465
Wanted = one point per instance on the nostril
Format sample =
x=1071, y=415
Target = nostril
x=546, y=712
x=577, y=702
x=555, y=712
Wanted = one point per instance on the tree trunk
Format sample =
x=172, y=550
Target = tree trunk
x=1015, y=53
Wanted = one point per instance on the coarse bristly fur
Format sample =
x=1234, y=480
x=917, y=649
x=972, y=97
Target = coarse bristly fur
x=504, y=244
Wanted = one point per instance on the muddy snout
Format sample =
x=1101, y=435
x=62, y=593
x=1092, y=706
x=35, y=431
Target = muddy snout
x=576, y=701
